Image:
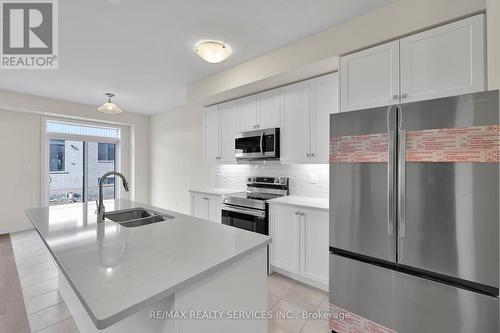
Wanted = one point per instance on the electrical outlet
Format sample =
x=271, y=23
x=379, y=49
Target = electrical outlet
x=313, y=178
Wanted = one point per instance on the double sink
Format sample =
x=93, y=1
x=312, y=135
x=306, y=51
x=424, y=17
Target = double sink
x=136, y=217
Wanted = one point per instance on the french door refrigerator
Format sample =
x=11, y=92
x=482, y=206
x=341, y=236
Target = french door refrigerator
x=414, y=217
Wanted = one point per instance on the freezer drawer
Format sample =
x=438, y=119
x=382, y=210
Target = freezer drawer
x=406, y=303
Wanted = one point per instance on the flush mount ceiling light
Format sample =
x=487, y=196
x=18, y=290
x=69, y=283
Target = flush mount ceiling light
x=212, y=51
x=109, y=107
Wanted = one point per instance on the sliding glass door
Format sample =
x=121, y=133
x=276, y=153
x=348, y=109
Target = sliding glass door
x=76, y=157
x=101, y=159
x=66, y=171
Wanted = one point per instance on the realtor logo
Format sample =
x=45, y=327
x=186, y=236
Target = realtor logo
x=29, y=35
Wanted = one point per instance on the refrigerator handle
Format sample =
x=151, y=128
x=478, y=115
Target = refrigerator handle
x=402, y=184
x=390, y=182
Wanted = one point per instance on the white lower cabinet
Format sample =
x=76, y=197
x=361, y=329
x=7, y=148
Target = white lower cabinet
x=314, y=252
x=300, y=243
x=285, y=225
x=206, y=206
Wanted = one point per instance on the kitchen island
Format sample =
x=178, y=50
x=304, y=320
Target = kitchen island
x=183, y=274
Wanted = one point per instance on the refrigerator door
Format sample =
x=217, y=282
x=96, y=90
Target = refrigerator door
x=362, y=182
x=384, y=300
x=448, y=178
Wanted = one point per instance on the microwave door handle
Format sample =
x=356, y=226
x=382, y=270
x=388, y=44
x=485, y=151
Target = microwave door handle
x=262, y=143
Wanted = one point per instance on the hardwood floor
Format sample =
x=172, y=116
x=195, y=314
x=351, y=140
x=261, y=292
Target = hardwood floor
x=13, y=316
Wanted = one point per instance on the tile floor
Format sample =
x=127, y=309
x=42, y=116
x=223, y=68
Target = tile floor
x=47, y=312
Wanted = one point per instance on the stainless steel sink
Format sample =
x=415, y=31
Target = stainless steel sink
x=136, y=217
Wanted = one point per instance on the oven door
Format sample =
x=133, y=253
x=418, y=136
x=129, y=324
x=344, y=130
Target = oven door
x=245, y=218
x=257, y=144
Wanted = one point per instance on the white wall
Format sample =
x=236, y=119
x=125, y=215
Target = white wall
x=19, y=169
x=176, y=157
x=20, y=121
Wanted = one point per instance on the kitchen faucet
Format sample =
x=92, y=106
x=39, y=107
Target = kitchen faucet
x=100, y=204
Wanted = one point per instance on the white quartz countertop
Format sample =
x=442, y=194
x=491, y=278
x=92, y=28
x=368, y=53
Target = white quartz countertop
x=294, y=200
x=215, y=190
x=116, y=271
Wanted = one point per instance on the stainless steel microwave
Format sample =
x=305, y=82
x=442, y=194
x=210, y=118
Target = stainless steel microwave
x=258, y=145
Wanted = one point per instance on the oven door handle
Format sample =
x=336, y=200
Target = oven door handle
x=241, y=210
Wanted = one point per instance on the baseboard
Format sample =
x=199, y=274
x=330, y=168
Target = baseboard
x=299, y=278
x=11, y=230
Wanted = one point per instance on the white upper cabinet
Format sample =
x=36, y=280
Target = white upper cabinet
x=324, y=101
x=305, y=123
x=228, y=130
x=445, y=61
x=268, y=109
x=370, y=78
x=219, y=131
x=294, y=133
x=301, y=111
x=259, y=111
x=211, y=134
x=247, y=113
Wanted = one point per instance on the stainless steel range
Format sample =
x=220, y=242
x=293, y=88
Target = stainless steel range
x=248, y=210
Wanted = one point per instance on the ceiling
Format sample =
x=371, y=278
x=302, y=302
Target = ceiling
x=143, y=50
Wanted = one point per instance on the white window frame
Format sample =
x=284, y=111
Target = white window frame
x=45, y=141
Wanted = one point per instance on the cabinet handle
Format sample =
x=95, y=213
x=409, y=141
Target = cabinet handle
x=302, y=214
x=308, y=155
x=405, y=95
x=312, y=154
x=297, y=213
x=395, y=96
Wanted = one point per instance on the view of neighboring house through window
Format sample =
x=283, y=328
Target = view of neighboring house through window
x=106, y=152
x=56, y=155
x=76, y=166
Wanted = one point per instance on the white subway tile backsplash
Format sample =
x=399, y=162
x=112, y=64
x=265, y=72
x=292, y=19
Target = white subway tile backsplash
x=301, y=176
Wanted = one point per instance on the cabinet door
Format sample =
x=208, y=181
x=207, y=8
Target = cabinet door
x=211, y=134
x=370, y=78
x=294, y=133
x=228, y=130
x=214, y=208
x=444, y=61
x=285, y=233
x=268, y=109
x=198, y=205
x=247, y=113
x=314, y=233
x=324, y=101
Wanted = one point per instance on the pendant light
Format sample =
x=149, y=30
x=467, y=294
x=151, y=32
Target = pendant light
x=109, y=107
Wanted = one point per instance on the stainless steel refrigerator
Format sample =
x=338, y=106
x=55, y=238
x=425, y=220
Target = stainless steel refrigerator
x=414, y=216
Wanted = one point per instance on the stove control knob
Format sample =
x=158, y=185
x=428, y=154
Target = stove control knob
x=283, y=180
x=276, y=181
x=249, y=179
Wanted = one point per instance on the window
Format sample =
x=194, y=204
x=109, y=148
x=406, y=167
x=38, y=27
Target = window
x=106, y=152
x=57, y=156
